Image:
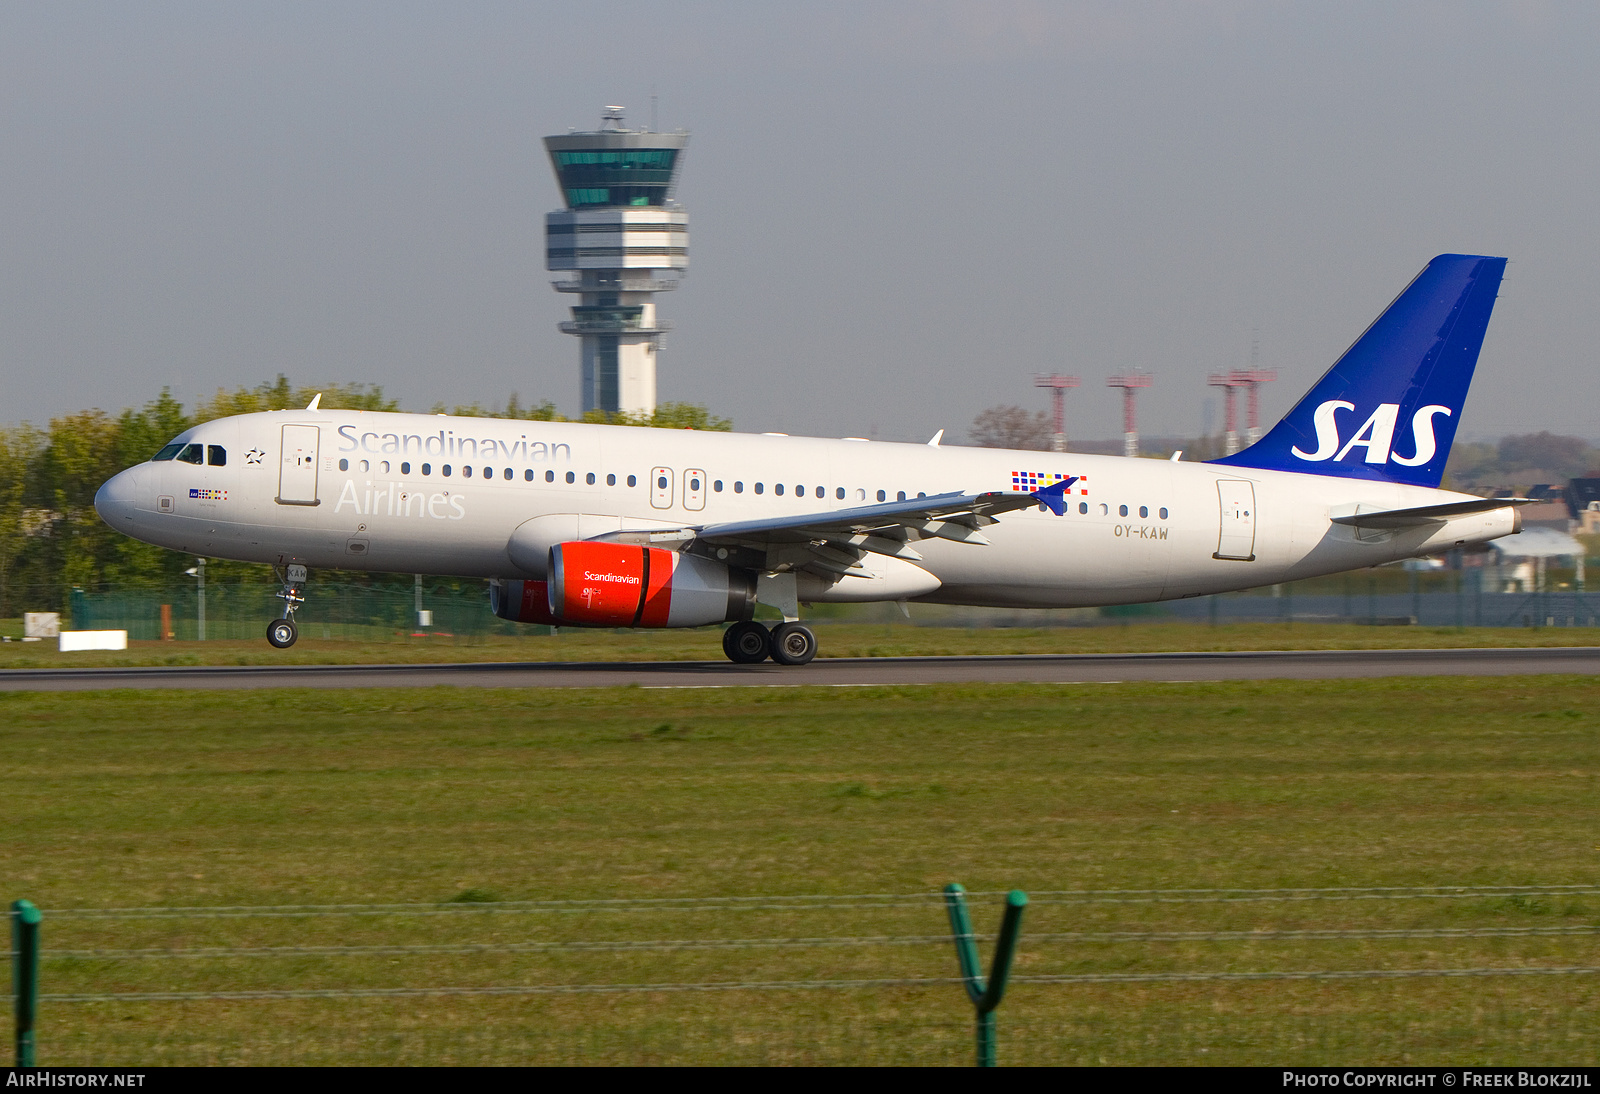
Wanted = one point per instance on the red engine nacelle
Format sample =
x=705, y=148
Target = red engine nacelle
x=626, y=585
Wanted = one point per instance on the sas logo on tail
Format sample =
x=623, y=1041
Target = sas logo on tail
x=1376, y=437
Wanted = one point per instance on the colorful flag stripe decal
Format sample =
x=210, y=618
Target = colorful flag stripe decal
x=1026, y=482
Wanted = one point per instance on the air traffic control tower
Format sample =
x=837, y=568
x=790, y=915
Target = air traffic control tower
x=621, y=239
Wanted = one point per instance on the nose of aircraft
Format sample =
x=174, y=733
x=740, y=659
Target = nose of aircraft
x=117, y=499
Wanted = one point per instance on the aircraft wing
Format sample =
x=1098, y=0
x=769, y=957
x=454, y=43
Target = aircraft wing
x=1427, y=514
x=834, y=541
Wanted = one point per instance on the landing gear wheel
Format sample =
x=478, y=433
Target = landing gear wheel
x=747, y=643
x=281, y=633
x=793, y=644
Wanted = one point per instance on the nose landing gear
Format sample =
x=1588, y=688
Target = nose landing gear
x=281, y=633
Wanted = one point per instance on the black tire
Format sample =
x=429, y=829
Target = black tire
x=747, y=643
x=281, y=633
x=793, y=644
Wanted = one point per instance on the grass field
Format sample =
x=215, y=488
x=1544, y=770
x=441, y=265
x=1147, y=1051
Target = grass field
x=835, y=640
x=461, y=801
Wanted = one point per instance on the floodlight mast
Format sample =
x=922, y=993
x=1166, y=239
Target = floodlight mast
x=1230, y=382
x=1058, y=386
x=1130, y=383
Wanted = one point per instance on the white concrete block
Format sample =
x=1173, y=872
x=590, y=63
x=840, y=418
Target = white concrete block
x=94, y=640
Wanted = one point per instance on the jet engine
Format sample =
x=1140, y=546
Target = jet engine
x=627, y=585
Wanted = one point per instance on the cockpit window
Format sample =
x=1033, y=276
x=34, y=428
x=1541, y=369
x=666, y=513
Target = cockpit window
x=192, y=453
x=216, y=455
x=167, y=452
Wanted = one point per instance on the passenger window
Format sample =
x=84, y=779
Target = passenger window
x=365, y=466
x=661, y=482
x=528, y=474
x=427, y=469
x=633, y=480
x=861, y=495
x=445, y=470
x=1144, y=511
x=549, y=476
x=466, y=471
x=839, y=493
x=589, y=478
x=611, y=480
x=1163, y=512
x=216, y=455
x=405, y=469
x=507, y=475
x=882, y=496
x=901, y=496
x=1105, y=510
x=920, y=494
x=488, y=472
x=738, y=487
x=344, y=465
x=717, y=486
x=1083, y=507
x=572, y=477
x=1122, y=510
x=384, y=467
x=799, y=491
x=192, y=453
x=694, y=483
x=822, y=492
x=759, y=487
x=778, y=489
x=167, y=452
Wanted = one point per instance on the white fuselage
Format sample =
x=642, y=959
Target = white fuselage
x=392, y=492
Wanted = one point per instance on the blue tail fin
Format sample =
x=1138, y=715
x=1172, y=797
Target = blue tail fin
x=1388, y=409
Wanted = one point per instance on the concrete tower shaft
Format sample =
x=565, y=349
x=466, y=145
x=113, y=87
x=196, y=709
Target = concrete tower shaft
x=623, y=239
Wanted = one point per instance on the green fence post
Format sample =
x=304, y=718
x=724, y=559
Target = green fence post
x=25, y=975
x=985, y=996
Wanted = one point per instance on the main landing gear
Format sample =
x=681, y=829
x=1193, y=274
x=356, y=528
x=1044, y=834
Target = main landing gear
x=281, y=633
x=750, y=643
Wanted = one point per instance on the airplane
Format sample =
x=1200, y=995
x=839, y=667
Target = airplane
x=611, y=526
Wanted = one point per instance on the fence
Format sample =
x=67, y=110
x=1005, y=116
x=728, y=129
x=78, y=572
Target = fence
x=1461, y=975
x=369, y=613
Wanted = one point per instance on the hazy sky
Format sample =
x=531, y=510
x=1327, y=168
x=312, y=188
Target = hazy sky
x=899, y=211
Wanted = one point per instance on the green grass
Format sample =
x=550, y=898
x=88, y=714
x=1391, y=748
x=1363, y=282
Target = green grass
x=836, y=640
x=460, y=798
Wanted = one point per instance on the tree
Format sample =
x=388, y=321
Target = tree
x=19, y=451
x=279, y=394
x=1012, y=427
x=1561, y=457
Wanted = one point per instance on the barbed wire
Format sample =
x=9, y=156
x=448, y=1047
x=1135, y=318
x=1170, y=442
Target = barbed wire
x=842, y=941
x=809, y=985
x=823, y=900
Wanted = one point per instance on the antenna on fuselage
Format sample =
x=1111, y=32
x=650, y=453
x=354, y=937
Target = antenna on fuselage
x=316, y=401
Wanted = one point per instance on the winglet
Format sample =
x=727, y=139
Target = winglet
x=1053, y=497
x=937, y=437
x=316, y=401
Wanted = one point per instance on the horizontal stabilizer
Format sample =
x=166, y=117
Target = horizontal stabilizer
x=1427, y=514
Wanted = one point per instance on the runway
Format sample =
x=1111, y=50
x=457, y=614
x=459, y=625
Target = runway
x=838, y=672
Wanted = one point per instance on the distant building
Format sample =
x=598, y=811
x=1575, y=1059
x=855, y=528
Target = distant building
x=1583, y=504
x=622, y=239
